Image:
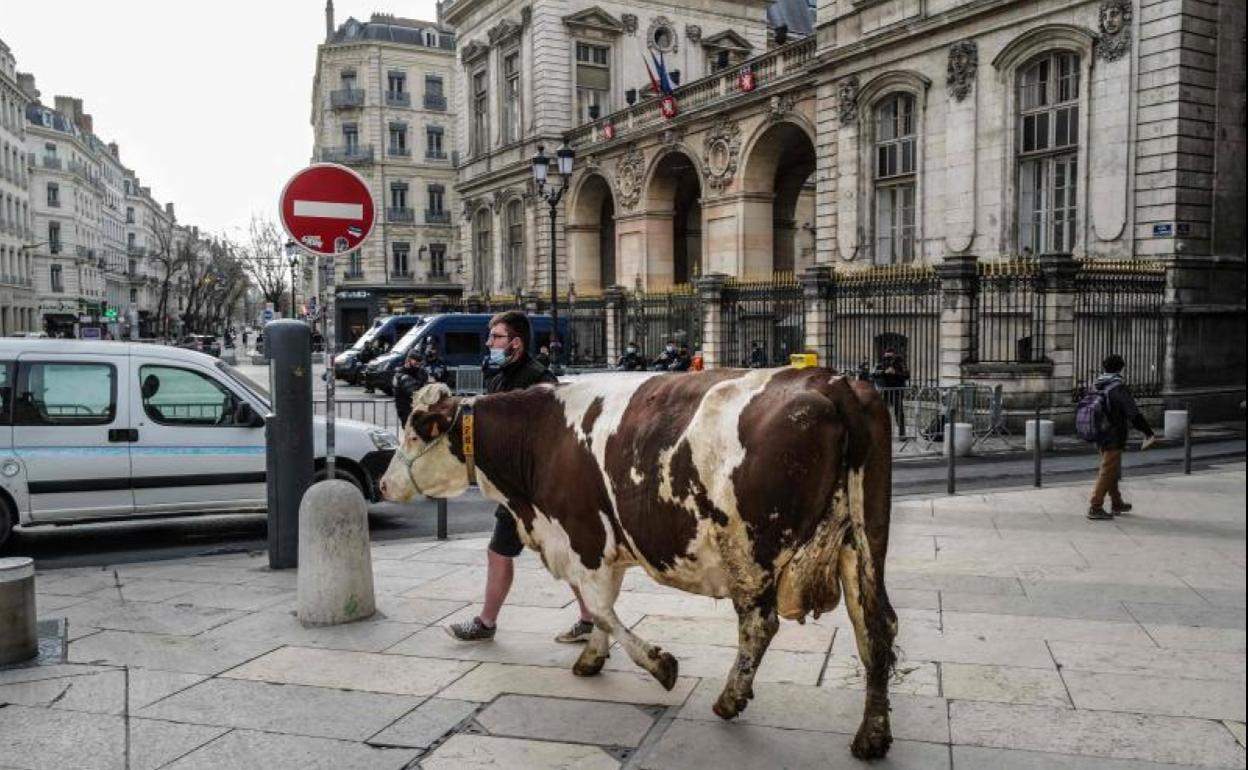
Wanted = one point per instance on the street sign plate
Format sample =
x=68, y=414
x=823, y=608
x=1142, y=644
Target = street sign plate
x=327, y=209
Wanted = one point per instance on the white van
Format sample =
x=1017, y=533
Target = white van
x=104, y=430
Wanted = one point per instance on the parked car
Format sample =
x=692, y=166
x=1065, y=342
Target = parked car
x=94, y=431
x=460, y=339
x=349, y=364
x=203, y=343
x=31, y=335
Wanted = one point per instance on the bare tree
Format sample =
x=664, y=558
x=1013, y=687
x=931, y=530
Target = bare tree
x=261, y=258
x=172, y=255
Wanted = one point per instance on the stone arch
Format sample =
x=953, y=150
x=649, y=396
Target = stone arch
x=778, y=198
x=673, y=218
x=591, y=234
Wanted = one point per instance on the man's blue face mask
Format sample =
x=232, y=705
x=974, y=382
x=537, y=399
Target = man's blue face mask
x=498, y=356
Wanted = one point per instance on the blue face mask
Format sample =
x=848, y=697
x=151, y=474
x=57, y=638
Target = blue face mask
x=498, y=356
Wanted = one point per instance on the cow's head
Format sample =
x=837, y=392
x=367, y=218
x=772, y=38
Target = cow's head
x=424, y=463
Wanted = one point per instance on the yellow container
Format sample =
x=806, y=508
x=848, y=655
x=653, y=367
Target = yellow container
x=803, y=360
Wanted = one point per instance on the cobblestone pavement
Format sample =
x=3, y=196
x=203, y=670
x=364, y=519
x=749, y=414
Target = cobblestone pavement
x=1030, y=638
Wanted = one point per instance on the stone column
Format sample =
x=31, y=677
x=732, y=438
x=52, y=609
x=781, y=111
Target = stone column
x=817, y=293
x=614, y=296
x=710, y=291
x=959, y=285
x=1058, y=273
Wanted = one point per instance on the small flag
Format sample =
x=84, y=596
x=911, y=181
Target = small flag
x=608, y=130
x=654, y=84
x=665, y=83
x=745, y=80
x=667, y=106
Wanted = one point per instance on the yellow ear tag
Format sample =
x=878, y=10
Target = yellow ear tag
x=469, y=449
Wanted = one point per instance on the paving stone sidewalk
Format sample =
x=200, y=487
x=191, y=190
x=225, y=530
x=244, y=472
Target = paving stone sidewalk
x=1030, y=638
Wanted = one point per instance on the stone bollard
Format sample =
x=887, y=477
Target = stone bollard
x=19, y=635
x=964, y=436
x=335, y=563
x=1176, y=423
x=1046, y=435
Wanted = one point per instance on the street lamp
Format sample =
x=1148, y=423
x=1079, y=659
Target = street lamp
x=552, y=196
x=292, y=256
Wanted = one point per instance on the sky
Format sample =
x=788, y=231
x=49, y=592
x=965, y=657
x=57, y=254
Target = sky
x=210, y=102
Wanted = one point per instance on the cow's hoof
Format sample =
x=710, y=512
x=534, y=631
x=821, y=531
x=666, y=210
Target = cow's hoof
x=590, y=668
x=872, y=741
x=666, y=668
x=727, y=707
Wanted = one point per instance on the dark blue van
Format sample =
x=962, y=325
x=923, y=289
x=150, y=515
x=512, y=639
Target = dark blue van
x=386, y=331
x=460, y=339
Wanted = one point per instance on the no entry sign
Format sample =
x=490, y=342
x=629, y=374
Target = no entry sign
x=327, y=209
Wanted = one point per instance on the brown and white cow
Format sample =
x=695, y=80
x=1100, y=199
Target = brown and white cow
x=770, y=487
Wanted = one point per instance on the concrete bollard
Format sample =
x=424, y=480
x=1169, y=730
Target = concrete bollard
x=335, y=563
x=1176, y=423
x=19, y=635
x=1046, y=435
x=964, y=437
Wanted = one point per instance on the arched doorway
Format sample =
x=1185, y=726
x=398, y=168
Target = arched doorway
x=591, y=236
x=782, y=164
x=675, y=251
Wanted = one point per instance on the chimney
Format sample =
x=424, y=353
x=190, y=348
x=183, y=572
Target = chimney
x=65, y=106
x=26, y=82
x=329, y=20
x=114, y=150
x=169, y=210
x=86, y=123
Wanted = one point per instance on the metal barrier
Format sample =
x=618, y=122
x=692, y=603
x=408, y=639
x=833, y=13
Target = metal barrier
x=468, y=380
x=920, y=414
x=379, y=412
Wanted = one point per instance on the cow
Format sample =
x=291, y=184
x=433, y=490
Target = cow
x=769, y=487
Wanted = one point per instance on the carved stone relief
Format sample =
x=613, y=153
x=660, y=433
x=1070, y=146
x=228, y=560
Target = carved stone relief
x=694, y=33
x=629, y=20
x=779, y=107
x=661, y=35
x=629, y=170
x=847, y=100
x=1114, y=40
x=721, y=151
x=963, y=63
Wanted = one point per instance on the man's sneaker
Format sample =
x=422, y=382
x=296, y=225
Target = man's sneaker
x=474, y=630
x=579, y=632
x=1097, y=513
x=1120, y=509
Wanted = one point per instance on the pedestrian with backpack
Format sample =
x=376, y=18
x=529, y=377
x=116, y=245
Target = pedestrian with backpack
x=1105, y=415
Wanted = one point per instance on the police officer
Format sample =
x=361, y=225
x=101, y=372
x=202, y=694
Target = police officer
x=407, y=382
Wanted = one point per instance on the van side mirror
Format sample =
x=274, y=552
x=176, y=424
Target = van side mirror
x=244, y=415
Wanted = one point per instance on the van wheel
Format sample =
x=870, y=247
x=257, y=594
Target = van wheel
x=342, y=474
x=8, y=517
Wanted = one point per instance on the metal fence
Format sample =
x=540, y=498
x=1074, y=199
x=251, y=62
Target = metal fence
x=762, y=322
x=920, y=415
x=896, y=306
x=587, y=331
x=1010, y=312
x=1118, y=308
x=652, y=318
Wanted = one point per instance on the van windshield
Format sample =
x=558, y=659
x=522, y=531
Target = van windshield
x=251, y=386
x=364, y=338
x=407, y=341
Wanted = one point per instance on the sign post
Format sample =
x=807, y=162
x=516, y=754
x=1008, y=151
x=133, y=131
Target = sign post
x=328, y=210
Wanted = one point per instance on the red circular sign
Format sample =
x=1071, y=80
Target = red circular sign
x=327, y=209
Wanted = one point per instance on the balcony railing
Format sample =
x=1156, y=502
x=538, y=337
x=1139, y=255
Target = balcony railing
x=401, y=215
x=51, y=162
x=352, y=275
x=437, y=217
x=346, y=98
x=435, y=102
x=434, y=155
x=403, y=277
x=438, y=277
x=399, y=152
x=54, y=204
x=54, y=247
x=396, y=99
x=348, y=154
x=778, y=64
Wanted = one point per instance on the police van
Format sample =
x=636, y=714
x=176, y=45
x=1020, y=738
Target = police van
x=93, y=431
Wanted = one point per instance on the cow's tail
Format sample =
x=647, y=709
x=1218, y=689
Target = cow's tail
x=868, y=473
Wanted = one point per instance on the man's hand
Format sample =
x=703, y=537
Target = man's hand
x=1147, y=442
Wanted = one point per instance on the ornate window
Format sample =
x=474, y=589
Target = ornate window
x=1048, y=153
x=482, y=260
x=593, y=81
x=896, y=162
x=480, y=112
x=515, y=245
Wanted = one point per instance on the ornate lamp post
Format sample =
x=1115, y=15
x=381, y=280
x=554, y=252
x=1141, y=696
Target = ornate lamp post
x=552, y=196
x=292, y=257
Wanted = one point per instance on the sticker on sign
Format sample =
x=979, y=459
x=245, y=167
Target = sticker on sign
x=327, y=209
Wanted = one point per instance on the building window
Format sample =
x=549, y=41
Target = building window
x=355, y=265
x=511, y=97
x=437, y=198
x=57, y=273
x=129, y=215
x=515, y=244
x=396, y=83
x=435, y=99
x=433, y=142
x=134, y=295
x=593, y=80
x=54, y=237
x=482, y=272
x=348, y=80
x=351, y=138
x=431, y=38
x=480, y=112
x=398, y=195
x=437, y=260
x=895, y=164
x=400, y=257
x=398, y=139
x=1048, y=150
x=54, y=195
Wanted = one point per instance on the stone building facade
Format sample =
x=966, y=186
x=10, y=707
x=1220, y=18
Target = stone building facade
x=18, y=308
x=530, y=72
x=382, y=103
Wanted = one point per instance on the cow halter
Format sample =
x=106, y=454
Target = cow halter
x=466, y=419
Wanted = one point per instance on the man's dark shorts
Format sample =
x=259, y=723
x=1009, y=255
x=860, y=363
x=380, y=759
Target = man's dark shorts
x=506, y=540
